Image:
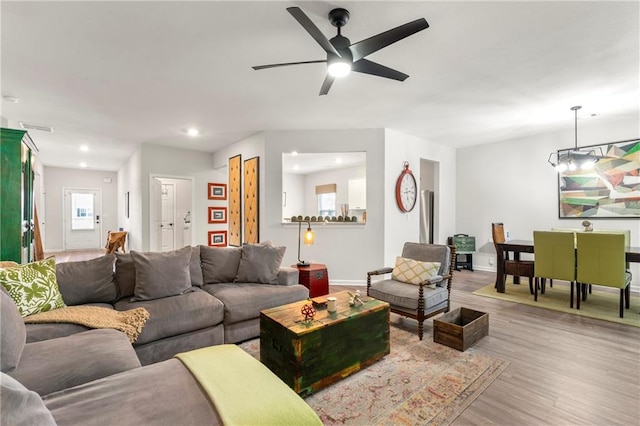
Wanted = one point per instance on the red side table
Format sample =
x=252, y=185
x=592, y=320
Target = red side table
x=315, y=278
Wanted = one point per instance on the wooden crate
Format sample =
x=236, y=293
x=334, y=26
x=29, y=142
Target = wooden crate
x=460, y=328
x=308, y=356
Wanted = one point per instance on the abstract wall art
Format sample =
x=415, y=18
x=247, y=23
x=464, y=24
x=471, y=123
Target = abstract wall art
x=610, y=190
x=235, y=226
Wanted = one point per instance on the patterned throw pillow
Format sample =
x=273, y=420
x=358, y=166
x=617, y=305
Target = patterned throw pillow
x=33, y=286
x=412, y=271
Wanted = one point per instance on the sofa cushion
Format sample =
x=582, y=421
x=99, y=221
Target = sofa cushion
x=20, y=406
x=195, y=267
x=125, y=275
x=219, y=264
x=88, y=281
x=57, y=364
x=13, y=335
x=161, y=274
x=412, y=271
x=33, y=287
x=165, y=393
x=243, y=302
x=259, y=264
x=175, y=315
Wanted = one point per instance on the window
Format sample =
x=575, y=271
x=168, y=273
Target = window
x=326, y=199
x=82, y=211
x=327, y=204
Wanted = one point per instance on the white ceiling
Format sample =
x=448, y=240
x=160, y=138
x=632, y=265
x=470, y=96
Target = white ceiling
x=113, y=75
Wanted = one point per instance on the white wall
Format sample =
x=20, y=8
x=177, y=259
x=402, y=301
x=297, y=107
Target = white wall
x=130, y=180
x=56, y=178
x=293, y=202
x=401, y=227
x=340, y=177
x=177, y=163
x=511, y=182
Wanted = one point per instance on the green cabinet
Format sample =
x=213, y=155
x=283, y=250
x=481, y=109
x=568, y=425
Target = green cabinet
x=16, y=196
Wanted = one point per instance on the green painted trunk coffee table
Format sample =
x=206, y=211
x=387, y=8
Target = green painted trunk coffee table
x=309, y=355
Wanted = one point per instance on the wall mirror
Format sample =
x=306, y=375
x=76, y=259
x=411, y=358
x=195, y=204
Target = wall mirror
x=329, y=185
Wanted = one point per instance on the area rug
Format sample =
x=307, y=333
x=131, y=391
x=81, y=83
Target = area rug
x=600, y=304
x=418, y=383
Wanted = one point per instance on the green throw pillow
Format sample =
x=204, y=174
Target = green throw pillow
x=33, y=287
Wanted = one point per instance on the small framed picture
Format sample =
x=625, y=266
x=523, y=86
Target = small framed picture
x=217, y=191
x=217, y=215
x=217, y=238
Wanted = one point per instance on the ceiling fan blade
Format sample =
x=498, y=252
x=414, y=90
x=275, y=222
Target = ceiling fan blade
x=326, y=84
x=261, y=67
x=311, y=28
x=377, y=42
x=368, y=67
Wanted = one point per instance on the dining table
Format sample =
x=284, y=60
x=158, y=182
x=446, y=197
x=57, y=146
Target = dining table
x=632, y=254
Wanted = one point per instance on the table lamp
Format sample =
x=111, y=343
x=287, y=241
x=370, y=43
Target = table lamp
x=309, y=238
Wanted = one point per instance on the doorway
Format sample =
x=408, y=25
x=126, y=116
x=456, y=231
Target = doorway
x=81, y=217
x=170, y=207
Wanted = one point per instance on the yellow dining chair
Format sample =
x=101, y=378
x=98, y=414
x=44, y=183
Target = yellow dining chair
x=601, y=261
x=555, y=259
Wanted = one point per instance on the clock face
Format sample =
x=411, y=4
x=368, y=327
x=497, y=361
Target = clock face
x=406, y=191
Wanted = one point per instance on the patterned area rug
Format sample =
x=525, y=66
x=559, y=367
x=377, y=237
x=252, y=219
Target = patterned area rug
x=418, y=383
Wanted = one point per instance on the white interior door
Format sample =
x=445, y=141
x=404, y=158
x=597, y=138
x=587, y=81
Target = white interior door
x=81, y=216
x=168, y=219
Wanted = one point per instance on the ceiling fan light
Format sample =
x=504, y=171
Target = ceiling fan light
x=339, y=69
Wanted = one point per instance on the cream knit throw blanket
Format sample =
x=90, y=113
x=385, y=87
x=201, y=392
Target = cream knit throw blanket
x=130, y=322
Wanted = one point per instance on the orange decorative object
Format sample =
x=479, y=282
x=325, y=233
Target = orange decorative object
x=309, y=312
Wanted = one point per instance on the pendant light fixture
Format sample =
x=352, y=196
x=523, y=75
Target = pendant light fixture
x=572, y=159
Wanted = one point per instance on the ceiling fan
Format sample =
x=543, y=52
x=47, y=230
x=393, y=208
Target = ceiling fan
x=342, y=56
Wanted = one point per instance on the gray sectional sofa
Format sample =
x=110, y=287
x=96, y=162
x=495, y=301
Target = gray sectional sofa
x=196, y=296
x=95, y=378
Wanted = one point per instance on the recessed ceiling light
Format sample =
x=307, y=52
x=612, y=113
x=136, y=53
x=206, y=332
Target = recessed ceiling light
x=296, y=167
x=294, y=153
x=83, y=165
x=84, y=148
x=192, y=131
x=338, y=160
x=11, y=99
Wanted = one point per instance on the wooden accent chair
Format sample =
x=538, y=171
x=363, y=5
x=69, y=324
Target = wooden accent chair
x=115, y=241
x=555, y=259
x=423, y=299
x=515, y=267
x=601, y=261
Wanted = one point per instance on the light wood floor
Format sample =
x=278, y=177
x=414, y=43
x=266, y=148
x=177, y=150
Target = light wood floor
x=564, y=369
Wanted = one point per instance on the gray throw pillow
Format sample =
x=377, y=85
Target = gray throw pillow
x=259, y=264
x=14, y=333
x=219, y=264
x=89, y=281
x=125, y=275
x=195, y=269
x=20, y=406
x=161, y=274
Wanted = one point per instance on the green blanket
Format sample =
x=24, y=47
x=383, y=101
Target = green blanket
x=244, y=391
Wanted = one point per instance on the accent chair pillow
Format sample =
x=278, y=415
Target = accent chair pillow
x=412, y=271
x=219, y=264
x=259, y=263
x=88, y=281
x=162, y=274
x=33, y=287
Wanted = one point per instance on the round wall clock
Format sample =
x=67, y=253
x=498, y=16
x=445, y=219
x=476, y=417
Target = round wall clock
x=406, y=189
